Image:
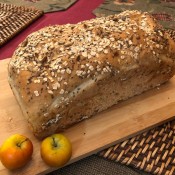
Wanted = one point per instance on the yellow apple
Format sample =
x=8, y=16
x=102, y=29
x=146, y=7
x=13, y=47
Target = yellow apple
x=56, y=150
x=16, y=151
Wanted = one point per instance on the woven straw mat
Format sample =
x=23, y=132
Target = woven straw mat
x=152, y=151
x=15, y=18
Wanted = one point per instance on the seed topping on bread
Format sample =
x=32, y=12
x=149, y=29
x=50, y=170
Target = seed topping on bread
x=56, y=52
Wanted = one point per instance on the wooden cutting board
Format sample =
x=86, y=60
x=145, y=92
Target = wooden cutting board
x=120, y=122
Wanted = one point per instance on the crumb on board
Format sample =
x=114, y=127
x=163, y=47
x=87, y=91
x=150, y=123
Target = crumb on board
x=10, y=119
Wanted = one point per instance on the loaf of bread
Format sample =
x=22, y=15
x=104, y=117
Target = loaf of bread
x=63, y=74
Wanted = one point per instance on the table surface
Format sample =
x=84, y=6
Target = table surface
x=80, y=11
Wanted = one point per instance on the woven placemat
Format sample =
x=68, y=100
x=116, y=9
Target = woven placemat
x=153, y=151
x=15, y=18
x=171, y=33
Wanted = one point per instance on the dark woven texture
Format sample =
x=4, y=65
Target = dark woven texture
x=13, y=19
x=152, y=151
x=171, y=33
x=95, y=165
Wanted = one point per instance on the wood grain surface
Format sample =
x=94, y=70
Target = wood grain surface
x=116, y=124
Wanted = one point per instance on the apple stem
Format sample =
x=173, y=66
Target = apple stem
x=54, y=142
x=20, y=143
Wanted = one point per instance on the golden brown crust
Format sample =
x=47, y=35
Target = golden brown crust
x=59, y=67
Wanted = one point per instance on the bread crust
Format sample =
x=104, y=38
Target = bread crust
x=63, y=74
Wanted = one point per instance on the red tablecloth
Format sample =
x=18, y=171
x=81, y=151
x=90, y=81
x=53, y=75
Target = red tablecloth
x=81, y=10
